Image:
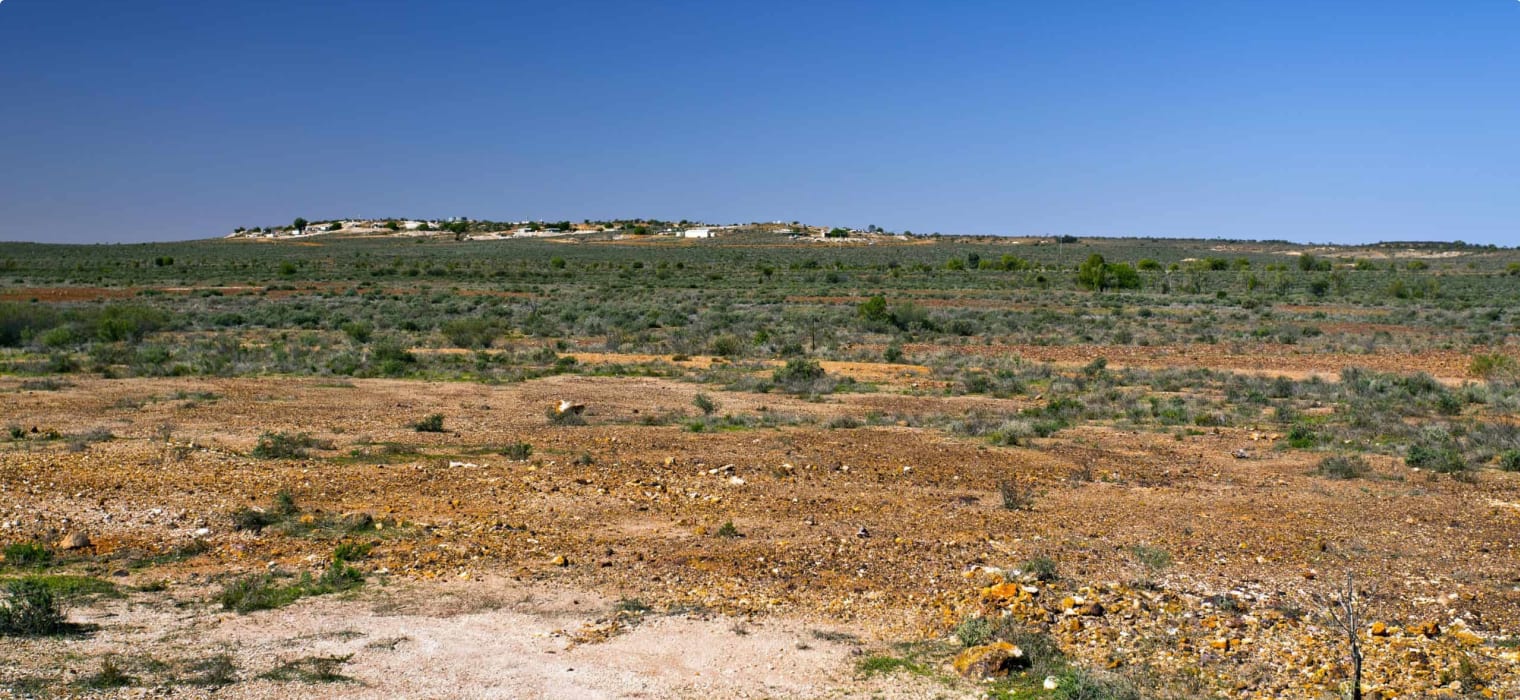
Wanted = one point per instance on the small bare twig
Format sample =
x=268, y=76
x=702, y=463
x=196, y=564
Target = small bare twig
x=1348, y=612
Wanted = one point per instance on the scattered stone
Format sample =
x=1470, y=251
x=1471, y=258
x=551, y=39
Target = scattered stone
x=559, y=560
x=990, y=661
x=76, y=540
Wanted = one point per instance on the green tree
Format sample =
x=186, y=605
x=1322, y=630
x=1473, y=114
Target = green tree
x=1123, y=276
x=300, y=224
x=1093, y=273
x=874, y=310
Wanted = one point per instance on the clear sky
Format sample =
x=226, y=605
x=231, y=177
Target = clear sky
x=1309, y=120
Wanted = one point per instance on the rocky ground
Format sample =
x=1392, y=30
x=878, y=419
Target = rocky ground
x=1171, y=561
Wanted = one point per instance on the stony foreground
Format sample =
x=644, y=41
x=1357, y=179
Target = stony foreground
x=1193, y=563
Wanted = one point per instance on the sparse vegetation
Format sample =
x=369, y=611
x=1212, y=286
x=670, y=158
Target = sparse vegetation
x=30, y=608
x=1343, y=467
x=1042, y=388
x=287, y=445
x=311, y=669
x=266, y=591
x=432, y=423
x=519, y=451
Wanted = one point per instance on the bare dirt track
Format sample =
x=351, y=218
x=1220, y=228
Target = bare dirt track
x=867, y=529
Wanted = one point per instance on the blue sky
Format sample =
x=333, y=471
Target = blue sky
x=1323, y=120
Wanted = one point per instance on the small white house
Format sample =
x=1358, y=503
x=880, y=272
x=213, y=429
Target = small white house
x=697, y=233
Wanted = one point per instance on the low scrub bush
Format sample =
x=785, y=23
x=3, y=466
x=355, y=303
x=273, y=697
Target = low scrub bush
x=265, y=592
x=287, y=445
x=1342, y=467
x=518, y=450
x=429, y=424
x=29, y=608
x=26, y=554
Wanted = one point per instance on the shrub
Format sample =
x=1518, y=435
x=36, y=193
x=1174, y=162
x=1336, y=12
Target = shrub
x=1343, y=467
x=1509, y=460
x=359, y=331
x=262, y=592
x=728, y=530
x=255, y=592
x=311, y=669
x=1302, y=437
x=284, y=505
x=726, y=345
x=351, y=551
x=1154, y=558
x=798, y=370
x=471, y=332
x=518, y=450
x=1492, y=366
x=110, y=676
x=1015, y=497
x=283, y=445
x=251, y=519
x=704, y=403
x=281, y=508
x=802, y=376
x=974, y=631
x=843, y=423
x=20, y=322
x=1448, y=404
x=1042, y=568
x=29, y=609
x=558, y=417
x=1013, y=433
x=214, y=672
x=429, y=424
x=1435, y=449
x=26, y=554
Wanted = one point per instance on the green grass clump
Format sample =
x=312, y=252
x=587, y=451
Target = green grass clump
x=1154, y=558
x=26, y=555
x=1043, y=568
x=974, y=631
x=519, y=451
x=429, y=424
x=29, y=608
x=287, y=445
x=882, y=663
x=264, y=591
x=1437, y=452
x=66, y=586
